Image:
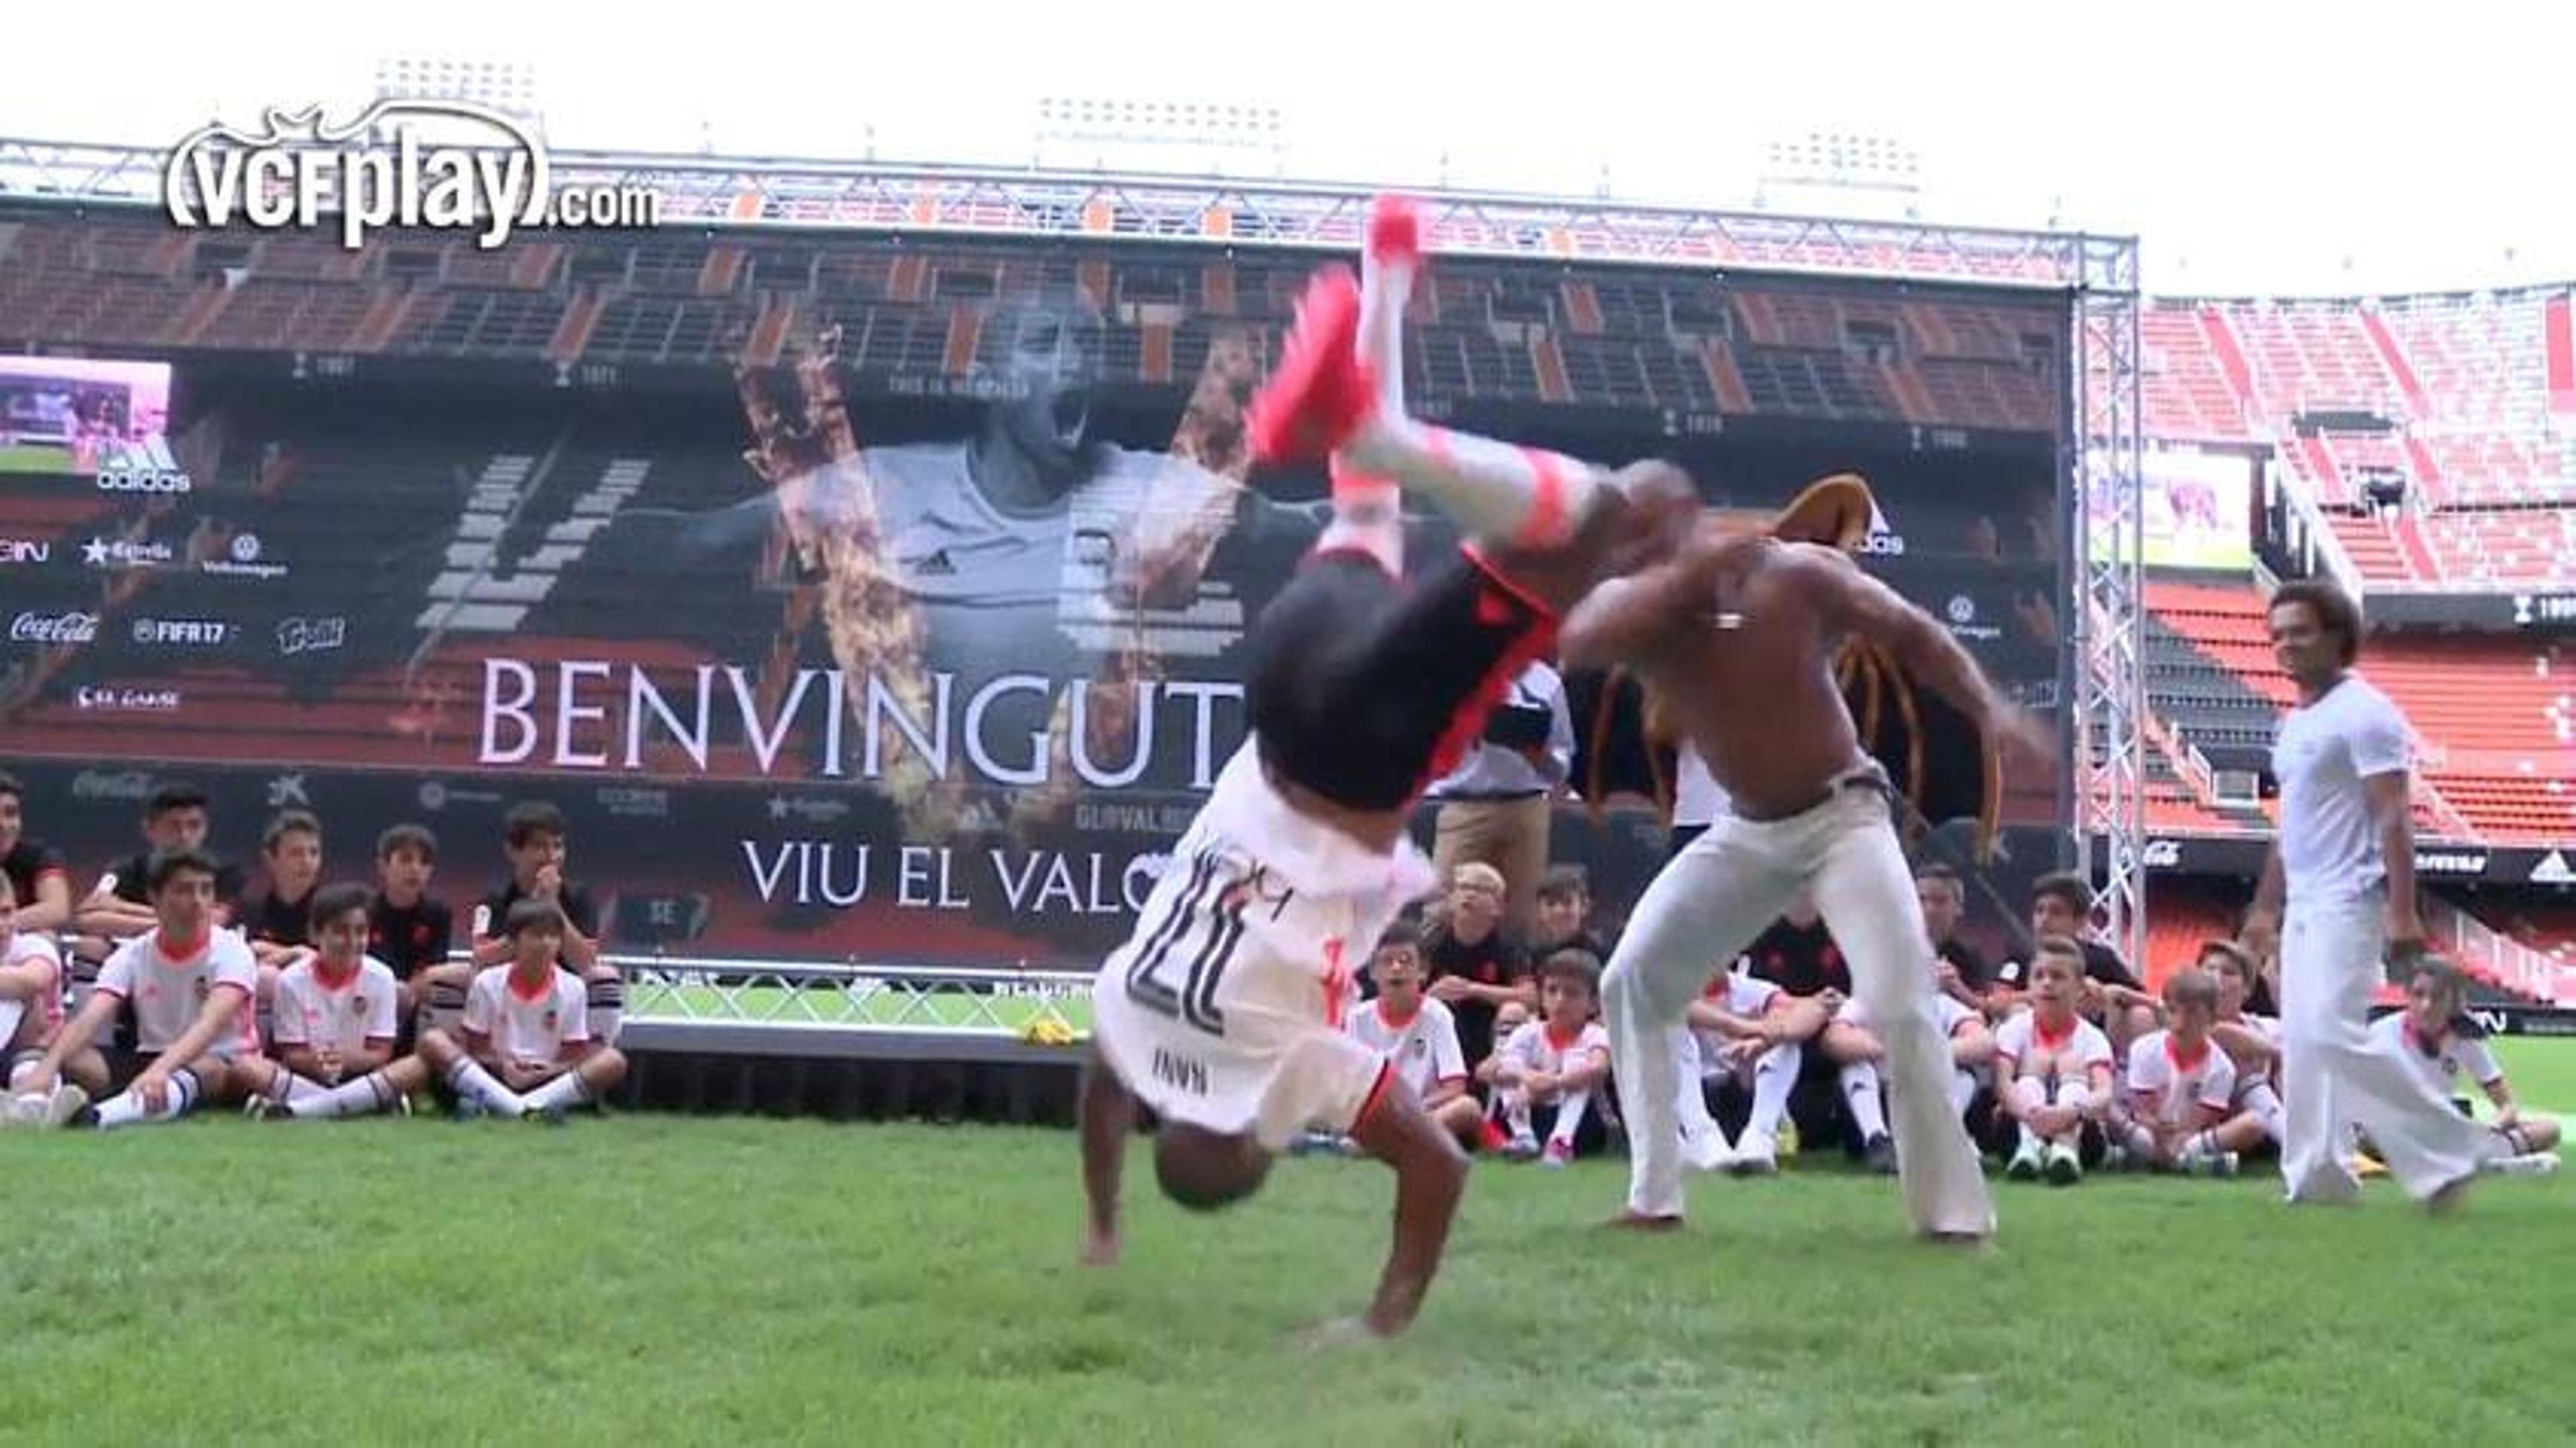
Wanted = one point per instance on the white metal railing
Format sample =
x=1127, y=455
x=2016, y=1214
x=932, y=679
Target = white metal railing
x=963, y=1000
x=2469, y=943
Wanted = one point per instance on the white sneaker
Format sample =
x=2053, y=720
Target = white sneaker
x=2065, y=1168
x=68, y=1101
x=1707, y=1151
x=2536, y=1163
x=1756, y=1155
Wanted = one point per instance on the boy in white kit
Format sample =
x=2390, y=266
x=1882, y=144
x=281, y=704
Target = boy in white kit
x=1416, y=1034
x=31, y=988
x=2253, y=1046
x=2052, y=1068
x=528, y=1050
x=1553, y=1062
x=190, y=983
x=2427, y=1036
x=335, y=1019
x=2338, y=894
x=1855, y=1047
x=2180, y=1086
x=1750, y=1037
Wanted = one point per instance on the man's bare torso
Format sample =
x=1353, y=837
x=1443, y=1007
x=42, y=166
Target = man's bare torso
x=1751, y=680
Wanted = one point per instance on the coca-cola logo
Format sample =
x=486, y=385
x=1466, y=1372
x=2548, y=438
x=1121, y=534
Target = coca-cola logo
x=131, y=784
x=74, y=627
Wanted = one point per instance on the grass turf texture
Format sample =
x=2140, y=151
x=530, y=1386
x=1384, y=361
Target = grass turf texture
x=660, y=1278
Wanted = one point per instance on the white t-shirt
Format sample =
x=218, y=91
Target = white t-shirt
x=46, y=1009
x=531, y=1030
x=1698, y=799
x=2166, y=1088
x=1537, y=1049
x=167, y=991
x=2441, y=1069
x=2329, y=848
x=348, y=1016
x=2022, y=1049
x=1424, y=1047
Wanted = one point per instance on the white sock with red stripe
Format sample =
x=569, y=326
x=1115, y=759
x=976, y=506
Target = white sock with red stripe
x=1497, y=492
x=472, y=1081
x=567, y=1090
x=366, y=1095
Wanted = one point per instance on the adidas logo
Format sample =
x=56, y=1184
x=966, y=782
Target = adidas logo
x=1883, y=539
x=2553, y=870
x=937, y=565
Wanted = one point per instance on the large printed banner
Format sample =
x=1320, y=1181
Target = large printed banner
x=819, y=662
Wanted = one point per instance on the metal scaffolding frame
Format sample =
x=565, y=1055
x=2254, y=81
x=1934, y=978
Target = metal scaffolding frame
x=2098, y=273
x=2110, y=614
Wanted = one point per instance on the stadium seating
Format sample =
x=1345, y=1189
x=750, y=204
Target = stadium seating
x=2494, y=714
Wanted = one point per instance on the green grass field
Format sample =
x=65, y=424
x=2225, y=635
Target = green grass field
x=665, y=1279
x=30, y=458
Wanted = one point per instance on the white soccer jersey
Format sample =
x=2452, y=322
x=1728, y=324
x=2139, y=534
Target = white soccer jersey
x=1423, y=1046
x=2445, y=1062
x=166, y=990
x=1947, y=1014
x=1539, y=1049
x=1224, y=1008
x=1741, y=993
x=2167, y=1087
x=347, y=1015
x=530, y=1028
x=2247, y=1082
x=2023, y=1049
x=2322, y=755
x=45, y=1011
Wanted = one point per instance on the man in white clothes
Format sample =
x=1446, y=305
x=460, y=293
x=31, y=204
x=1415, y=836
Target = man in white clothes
x=2344, y=868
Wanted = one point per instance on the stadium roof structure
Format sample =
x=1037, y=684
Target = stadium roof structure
x=2099, y=274
x=718, y=192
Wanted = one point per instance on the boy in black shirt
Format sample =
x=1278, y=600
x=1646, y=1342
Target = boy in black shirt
x=407, y=929
x=1565, y=915
x=279, y=923
x=38, y=878
x=119, y=907
x=1474, y=966
x=533, y=837
x=1964, y=973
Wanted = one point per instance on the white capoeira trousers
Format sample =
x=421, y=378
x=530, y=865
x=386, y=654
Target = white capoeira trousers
x=1706, y=906
x=2332, y=1076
